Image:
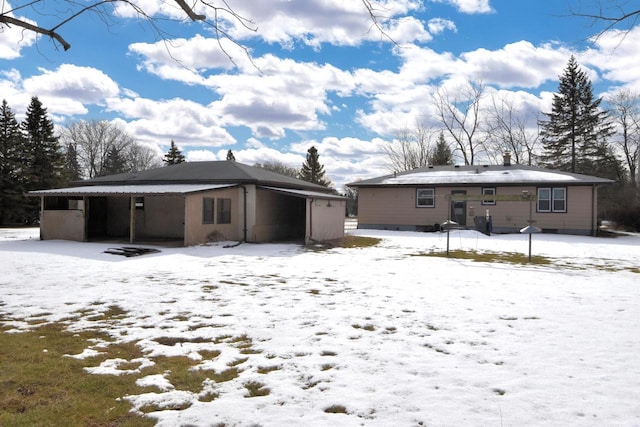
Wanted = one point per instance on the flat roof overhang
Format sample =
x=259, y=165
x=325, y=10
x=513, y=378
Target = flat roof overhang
x=130, y=190
x=305, y=194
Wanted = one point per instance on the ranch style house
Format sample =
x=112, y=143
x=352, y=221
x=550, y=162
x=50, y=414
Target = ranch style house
x=494, y=198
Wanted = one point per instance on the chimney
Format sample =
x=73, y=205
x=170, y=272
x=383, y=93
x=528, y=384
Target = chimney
x=507, y=158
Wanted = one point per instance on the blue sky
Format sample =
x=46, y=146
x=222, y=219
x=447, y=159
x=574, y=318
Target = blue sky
x=320, y=75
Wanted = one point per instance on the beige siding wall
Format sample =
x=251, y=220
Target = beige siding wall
x=162, y=217
x=196, y=232
x=62, y=224
x=325, y=219
x=395, y=208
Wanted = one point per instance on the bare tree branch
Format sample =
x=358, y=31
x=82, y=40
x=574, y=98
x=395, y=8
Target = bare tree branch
x=614, y=16
x=77, y=9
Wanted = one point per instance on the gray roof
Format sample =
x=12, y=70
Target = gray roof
x=481, y=175
x=213, y=172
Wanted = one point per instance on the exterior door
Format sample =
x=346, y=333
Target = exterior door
x=459, y=209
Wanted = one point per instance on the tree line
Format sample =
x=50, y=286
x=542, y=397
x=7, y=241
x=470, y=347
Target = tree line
x=581, y=134
x=34, y=157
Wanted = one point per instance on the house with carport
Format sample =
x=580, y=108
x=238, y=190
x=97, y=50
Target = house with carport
x=497, y=198
x=192, y=203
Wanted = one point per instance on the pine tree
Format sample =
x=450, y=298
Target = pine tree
x=230, y=156
x=442, y=154
x=174, y=155
x=576, y=124
x=312, y=170
x=114, y=163
x=44, y=158
x=72, y=165
x=11, y=167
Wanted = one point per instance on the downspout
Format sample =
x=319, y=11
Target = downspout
x=594, y=211
x=244, y=229
x=310, y=220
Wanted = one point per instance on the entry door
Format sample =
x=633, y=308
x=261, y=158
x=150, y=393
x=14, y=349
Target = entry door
x=459, y=209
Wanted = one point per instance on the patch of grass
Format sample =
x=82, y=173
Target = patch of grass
x=326, y=367
x=224, y=376
x=349, y=242
x=490, y=257
x=328, y=353
x=238, y=361
x=368, y=327
x=256, y=389
x=336, y=409
x=39, y=386
x=267, y=369
x=180, y=373
x=171, y=341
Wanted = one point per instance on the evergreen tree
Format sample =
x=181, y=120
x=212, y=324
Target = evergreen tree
x=72, y=165
x=230, y=156
x=312, y=170
x=576, y=125
x=115, y=162
x=11, y=167
x=174, y=155
x=44, y=158
x=442, y=154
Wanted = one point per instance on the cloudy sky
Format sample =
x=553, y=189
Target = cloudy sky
x=318, y=74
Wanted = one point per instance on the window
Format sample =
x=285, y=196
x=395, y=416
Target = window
x=425, y=198
x=140, y=203
x=62, y=203
x=207, y=210
x=559, y=199
x=491, y=191
x=224, y=211
x=552, y=199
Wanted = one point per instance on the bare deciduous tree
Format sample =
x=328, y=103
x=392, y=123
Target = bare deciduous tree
x=625, y=111
x=459, y=113
x=410, y=149
x=509, y=131
x=279, y=167
x=94, y=140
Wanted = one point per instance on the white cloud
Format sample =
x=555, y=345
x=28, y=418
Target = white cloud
x=519, y=64
x=616, y=54
x=439, y=25
x=469, y=6
x=13, y=37
x=186, y=122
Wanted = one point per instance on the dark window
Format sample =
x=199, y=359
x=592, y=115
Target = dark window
x=224, y=211
x=56, y=203
x=207, y=210
x=489, y=191
x=425, y=197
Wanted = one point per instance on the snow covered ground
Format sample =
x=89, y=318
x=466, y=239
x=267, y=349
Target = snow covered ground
x=396, y=339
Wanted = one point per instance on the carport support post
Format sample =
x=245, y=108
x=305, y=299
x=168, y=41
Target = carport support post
x=132, y=219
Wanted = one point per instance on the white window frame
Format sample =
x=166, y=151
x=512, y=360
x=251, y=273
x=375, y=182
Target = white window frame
x=488, y=191
x=432, y=197
x=555, y=195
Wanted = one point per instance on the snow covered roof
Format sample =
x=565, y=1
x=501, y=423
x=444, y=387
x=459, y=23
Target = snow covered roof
x=481, y=175
x=142, y=190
